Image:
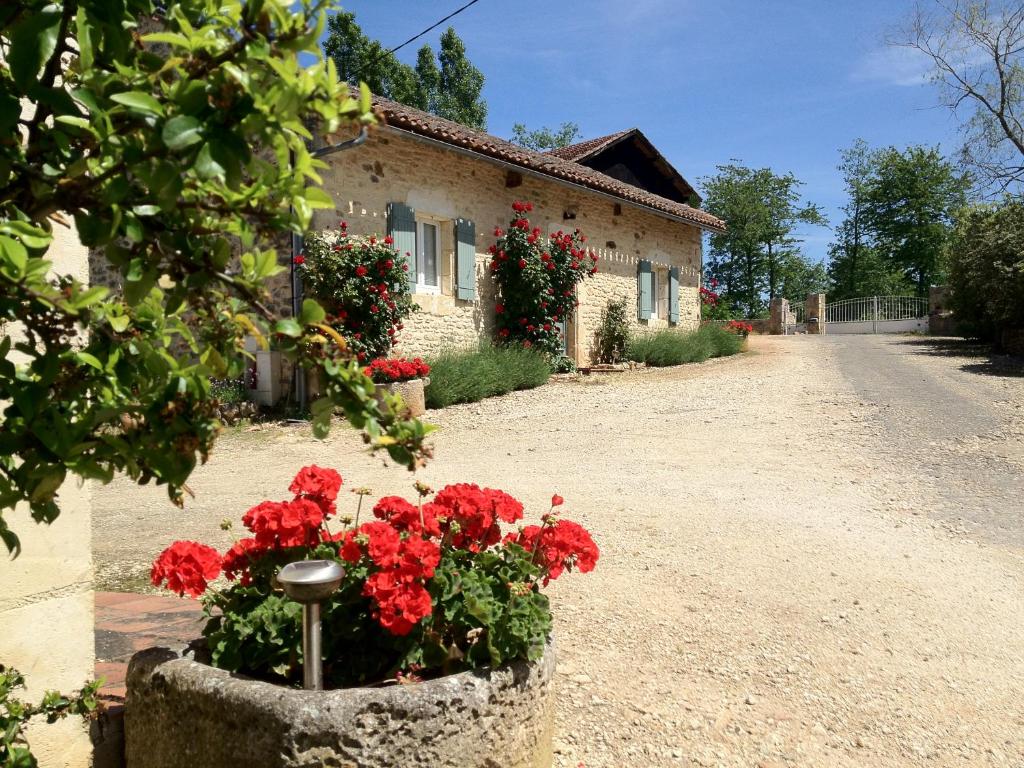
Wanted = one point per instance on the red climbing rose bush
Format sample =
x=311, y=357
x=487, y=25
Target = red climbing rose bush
x=362, y=283
x=388, y=370
x=449, y=581
x=536, y=278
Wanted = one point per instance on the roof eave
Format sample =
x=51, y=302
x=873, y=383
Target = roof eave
x=694, y=222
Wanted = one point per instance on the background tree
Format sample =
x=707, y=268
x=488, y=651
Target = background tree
x=856, y=268
x=145, y=141
x=758, y=255
x=459, y=96
x=987, y=270
x=448, y=86
x=909, y=206
x=543, y=139
x=359, y=58
x=976, y=48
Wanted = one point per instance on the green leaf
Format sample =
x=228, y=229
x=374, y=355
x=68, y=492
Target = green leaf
x=206, y=166
x=30, y=236
x=170, y=38
x=119, y=323
x=317, y=198
x=182, y=131
x=33, y=42
x=77, y=122
x=137, y=101
x=15, y=257
x=91, y=360
x=146, y=210
x=83, y=37
x=311, y=312
x=288, y=326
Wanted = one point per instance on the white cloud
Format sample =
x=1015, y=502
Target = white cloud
x=893, y=65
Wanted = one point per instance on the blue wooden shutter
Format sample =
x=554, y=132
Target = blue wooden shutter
x=563, y=329
x=402, y=227
x=465, y=260
x=645, y=300
x=673, y=295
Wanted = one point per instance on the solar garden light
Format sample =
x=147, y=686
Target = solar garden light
x=309, y=582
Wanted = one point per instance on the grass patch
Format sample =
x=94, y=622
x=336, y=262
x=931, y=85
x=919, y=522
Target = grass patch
x=465, y=376
x=675, y=348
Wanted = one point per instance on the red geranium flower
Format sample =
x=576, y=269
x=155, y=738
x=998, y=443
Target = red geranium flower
x=187, y=567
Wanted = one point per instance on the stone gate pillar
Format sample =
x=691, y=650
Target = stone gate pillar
x=814, y=312
x=779, y=310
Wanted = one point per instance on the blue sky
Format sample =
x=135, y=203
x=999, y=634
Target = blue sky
x=777, y=83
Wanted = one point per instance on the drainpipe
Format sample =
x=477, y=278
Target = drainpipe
x=297, y=245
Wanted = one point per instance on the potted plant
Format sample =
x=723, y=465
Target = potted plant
x=436, y=646
x=398, y=376
x=739, y=327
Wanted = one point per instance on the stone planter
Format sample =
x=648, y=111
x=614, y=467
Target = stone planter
x=411, y=392
x=180, y=712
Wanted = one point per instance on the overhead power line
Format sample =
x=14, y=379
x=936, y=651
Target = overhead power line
x=451, y=15
x=356, y=75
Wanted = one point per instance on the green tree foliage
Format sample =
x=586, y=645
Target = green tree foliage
x=976, y=48
x=856, y=268
x=145, y=138
x=448, y=86
x=758, y=256
x=986, y=269
x=909, y=203
x=459, y=96
x=543, y=139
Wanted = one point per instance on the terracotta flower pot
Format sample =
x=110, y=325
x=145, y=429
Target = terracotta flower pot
x=411, y=392
x=180, y=712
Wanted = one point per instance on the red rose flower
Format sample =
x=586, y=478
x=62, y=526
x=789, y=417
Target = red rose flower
x=300, y=259
x=361, y=270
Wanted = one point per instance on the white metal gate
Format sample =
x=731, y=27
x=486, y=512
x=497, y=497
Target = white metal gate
x=877, y=314
x=793, y=320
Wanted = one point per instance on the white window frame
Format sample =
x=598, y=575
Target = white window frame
x=421, y=285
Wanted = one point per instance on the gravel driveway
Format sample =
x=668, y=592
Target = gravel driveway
x=811, y=554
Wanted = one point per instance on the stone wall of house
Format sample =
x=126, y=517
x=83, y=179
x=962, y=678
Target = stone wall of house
x=445, y=185
x=46, y=605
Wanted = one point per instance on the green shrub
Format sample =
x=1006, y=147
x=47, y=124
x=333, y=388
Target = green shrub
x=229, y=391
x=465, y=376
x=613, y=335
x=563, y=364
x=986, y=270
x=669, y=347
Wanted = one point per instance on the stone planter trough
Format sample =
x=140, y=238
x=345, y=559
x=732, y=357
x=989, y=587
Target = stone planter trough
x=180, y=712
x=411, y=392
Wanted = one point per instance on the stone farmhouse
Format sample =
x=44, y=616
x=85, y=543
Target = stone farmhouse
x=440, y=189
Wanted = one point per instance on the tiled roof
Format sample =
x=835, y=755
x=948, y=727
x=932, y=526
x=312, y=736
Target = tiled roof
x=577, y=152
x=448, y=132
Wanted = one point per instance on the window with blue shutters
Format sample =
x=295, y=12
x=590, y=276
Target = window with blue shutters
x=673, y=295
x=465, y=260
x=644, y=289
x=402, y=228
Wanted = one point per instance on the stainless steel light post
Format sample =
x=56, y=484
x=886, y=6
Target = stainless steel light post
x=309, y=582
